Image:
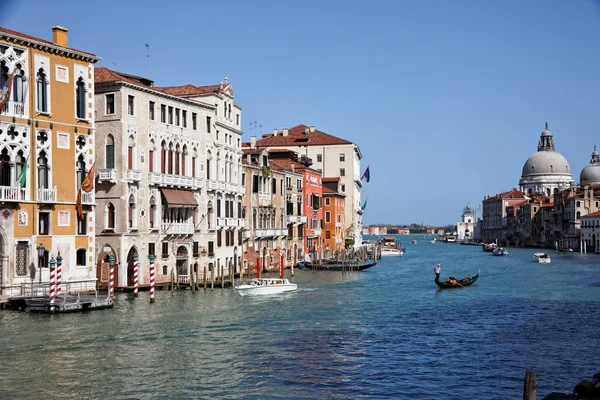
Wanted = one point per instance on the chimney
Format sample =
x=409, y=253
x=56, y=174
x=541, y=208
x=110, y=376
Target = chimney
x=252, y=142
x=312, y=129
x=306, y=131
x=285, y=131
x=60, y=36
x=274, y=132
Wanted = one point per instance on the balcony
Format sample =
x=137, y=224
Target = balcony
x=87, y=198
x=231, y=222
x=46, y=195
x=264, y=199
x=260, y=233
x=231, y=188
x=9, y=193
x=14, y=108
x=154, y=178
x=316, y=232
x=221, y=186
x=134, y=175
x=241, y=223
x=178, y=229
x=247, y=234
x=212, y=185
x=198, y=184
x=221, y=222
x=109, y=174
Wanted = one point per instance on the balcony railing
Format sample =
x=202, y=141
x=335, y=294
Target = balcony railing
x=264, y=199
x=247, y=234
x=221, y=185
x=316, y=232
x=221, y=222
x=134, y=175
x=212, y=185
x=178, y=229
x=10, y=193
x=231, y=222
x=109, y=174
x=87, y=197
x=241, y=223
x=46, y=195
x=15, y=108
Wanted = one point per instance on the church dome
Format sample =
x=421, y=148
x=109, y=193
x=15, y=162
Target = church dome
x=546, y=163
x=590, y=174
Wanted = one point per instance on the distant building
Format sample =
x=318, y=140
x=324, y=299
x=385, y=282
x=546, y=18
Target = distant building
x=333, y=215
x=494, y=215
x=590, y=232
x=465, y=228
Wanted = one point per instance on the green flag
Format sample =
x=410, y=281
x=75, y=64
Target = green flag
x=364, y=204
x=23, y=175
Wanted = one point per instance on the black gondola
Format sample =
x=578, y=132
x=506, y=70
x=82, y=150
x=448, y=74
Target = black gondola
x=342, y=267
x=459, y=283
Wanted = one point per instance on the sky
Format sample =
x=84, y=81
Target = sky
x=446, y=99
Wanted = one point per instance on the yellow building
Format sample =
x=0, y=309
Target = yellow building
x=46, y=149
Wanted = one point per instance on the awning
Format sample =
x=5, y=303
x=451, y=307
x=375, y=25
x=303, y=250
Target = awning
x=179, y=198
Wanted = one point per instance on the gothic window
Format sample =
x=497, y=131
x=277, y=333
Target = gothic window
x=194, y=155
x=131, y=153
x=109, y=216
x=131, y=213
x=80, y=170
x=578, y=215
x=43, y=175
x=184, y=155
x=110, y=152
x=42, y=91
x=18, y=84
x=5, y=168
x=152, y=216
x=177, y=157
x=208, y=164
x=3, y=75
x=80, y=98
x=81, y=257
x=170, y=162
x=163, y=158
x=19, y=164
x=151, y=157
x=229, y=113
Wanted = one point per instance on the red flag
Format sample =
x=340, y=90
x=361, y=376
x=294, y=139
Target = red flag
x=88, y=183
x=78, y=205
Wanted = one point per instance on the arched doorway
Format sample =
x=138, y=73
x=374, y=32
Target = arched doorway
x=182, y=261
x=103, y=266
x=130, y=268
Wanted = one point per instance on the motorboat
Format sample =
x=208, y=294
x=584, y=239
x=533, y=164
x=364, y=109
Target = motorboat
x=391, y=251
x=260, y=286
x=432, y=241
x=500, y=251
x=414, y=242
x=451, y=239
x=542, y=258
x=489, y=247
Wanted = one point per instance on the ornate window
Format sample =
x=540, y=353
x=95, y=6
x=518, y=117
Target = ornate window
x=152, y=217
x=131, y=213
x=5, y=168
x=43, y=171
x=109, y=216
x=42, y=91
x=109, y=150
x=18, y=88
x=80, y=98
x=80, y=170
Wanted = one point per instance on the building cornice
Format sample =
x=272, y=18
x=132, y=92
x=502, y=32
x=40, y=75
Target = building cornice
x=228, y=127
x=51, y=48
x=105, y=85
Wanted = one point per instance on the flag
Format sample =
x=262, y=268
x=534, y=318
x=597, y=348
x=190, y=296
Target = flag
x=365, y=203
x=87, y=186
x=366, y=175
x=23, y=174
x=5, y=92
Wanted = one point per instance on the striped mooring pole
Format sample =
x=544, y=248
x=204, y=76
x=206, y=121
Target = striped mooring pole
x=135, y=274
x=152, y=276
x=58, y=274
x=111, y=276
x=282, y=267
x=52, y=283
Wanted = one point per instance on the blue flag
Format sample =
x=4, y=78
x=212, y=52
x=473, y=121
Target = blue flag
x=366, y=175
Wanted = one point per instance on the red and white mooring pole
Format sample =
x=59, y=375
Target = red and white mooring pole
x=152, y=277
x=135, y=274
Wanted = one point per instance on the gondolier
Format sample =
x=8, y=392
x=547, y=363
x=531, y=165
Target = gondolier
x=438, y=269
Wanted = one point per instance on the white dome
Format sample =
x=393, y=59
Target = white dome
x=546, y=163
x=590, y=174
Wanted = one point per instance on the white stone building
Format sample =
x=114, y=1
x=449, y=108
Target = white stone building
x=546, y=171
x=166, y=177
x=333, y=157
x=466, y=228
x=590, y=232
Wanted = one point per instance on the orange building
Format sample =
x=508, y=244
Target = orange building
x=333, y=215
x=46, y=151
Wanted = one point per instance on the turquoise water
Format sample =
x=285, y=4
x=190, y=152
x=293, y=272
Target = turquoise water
x=387, y=332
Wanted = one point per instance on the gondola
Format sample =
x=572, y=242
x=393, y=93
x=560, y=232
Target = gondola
x=459, y=283
x=342, y=267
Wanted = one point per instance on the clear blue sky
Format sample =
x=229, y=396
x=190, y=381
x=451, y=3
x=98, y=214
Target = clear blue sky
x=446, y=99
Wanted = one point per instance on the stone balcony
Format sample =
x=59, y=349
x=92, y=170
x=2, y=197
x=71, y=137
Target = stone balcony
x=134, y=175
x=169, y=180
x=46, y=195
x=109, y=174
x=297, y=219
x=12, y=193
x=178, y=229
x=88, y=197
x=14, y=108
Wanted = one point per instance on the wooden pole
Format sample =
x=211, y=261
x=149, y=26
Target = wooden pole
x=258, y=267
x=192, y=281
x=222, y=277
x=197, y=277
x=204, y=277
x=530, y=386
x=231, y=273
x=212, y=278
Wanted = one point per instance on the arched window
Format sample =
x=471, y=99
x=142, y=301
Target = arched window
x=170, y=161
x=229, y=114
x=5, y=168
x=3, y=75
x=184, y=155
x=81, y=257
x=548, y=191
x=151, y=156
x=163, y=158
x=131, y=153
x=530, y=191
x=42, y=91
x=109, y=216
x=109, y=157
x=177, y=158
x=18, y=88
x=218, y=167
x=577, y=203
x=80, y=170
x=19, y=164
x=194, y=156
x=152, y=217
x=43, y=175
x=131, y=213
x=80, y=98
x=208, y=163
x=578, y=215
x=165, y=270
x=551, y=168
x=555, y=190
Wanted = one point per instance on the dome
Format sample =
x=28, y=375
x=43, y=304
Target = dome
x=590, y=174
x=546, y=163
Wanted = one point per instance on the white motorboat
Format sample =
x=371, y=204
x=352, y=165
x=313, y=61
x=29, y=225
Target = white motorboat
x=258, y=286
x=542, y=258
x=391, y=251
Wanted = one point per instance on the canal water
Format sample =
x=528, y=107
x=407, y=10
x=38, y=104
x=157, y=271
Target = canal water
x=387, y=332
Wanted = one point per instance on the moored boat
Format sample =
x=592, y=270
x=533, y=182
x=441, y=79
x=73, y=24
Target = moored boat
x=489, y=247
x=500, y=251
x=542, y=258
x=453, y=283
x=260, y=286
x=391, y=248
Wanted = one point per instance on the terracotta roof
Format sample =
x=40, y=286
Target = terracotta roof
x=331, y=179
x=37, y=39
x=191, y=90
x=297, y=137
x=330, y=192
x=286, y=165
x=104, y=74
x=594, y=214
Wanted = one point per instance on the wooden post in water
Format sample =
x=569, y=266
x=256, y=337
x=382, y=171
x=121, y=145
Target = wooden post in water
x=258, y=267
x=231, y=273
x=204, y=277
x=222, y=277
x=212, y=278
x=197, y=277
x=192, y=281
x=172, y=280
x=530, y=386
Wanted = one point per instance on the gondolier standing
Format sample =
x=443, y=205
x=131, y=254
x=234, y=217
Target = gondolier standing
x=438, y=269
